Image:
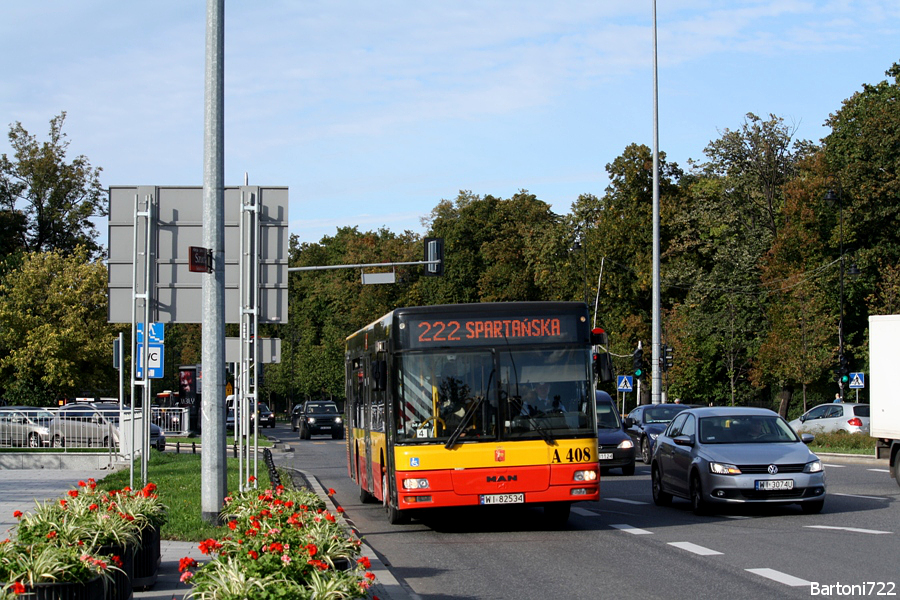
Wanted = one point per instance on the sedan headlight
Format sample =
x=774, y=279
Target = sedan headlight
x=813, y=467
x=723, y=469
x=310, y=419
x=338, y=420
x=625, y=444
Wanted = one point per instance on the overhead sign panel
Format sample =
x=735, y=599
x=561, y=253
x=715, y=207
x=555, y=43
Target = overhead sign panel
x=176, y=227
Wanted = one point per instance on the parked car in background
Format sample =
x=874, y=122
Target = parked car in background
x=735, y=455
x=93, y=425
x=110, y=411
x=316, y=417
x=647, y=421
x=614, y=446
x=832, y=417
x=25, y=426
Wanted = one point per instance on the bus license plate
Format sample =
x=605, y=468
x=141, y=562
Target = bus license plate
x=605, y=456
x=501, y=499
x=775, y=484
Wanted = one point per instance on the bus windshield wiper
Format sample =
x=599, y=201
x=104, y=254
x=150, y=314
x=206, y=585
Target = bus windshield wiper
x=541, y=431
x=467, y=416
x=463, y=423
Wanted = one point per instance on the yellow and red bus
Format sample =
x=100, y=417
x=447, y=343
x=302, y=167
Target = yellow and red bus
x=474, y=404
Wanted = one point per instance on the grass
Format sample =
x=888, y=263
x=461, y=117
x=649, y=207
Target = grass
x=844, y=443
x=177, y=477
x=264, y=442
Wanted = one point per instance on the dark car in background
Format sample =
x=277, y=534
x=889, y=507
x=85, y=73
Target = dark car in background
x=735, y=455
x=317, y=417
x=647, y=421
x=615, y=449
x=266, y=416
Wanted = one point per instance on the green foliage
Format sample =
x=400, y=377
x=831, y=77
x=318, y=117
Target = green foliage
x=46, y=202
x=53, y=333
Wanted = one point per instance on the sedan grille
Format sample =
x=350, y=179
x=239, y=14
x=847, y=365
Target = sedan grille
x=764, y=469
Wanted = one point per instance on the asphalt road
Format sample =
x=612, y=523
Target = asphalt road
x=625, y=547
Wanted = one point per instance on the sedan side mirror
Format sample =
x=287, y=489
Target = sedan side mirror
x=802, y=418
x=683, y=440
x=807, y=438
x=629, y=423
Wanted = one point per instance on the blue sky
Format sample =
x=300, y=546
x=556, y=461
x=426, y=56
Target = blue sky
x=373, y=113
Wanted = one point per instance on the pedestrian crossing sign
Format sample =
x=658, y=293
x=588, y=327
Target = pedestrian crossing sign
x=857, y=381
x=624, y=383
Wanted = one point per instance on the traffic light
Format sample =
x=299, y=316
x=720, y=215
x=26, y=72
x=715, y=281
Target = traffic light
x=666, y=358
x=637, y=362
x=843, y=369
x=434, y=251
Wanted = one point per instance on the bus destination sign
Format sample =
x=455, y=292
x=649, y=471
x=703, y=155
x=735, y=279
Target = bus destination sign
x=487, y=331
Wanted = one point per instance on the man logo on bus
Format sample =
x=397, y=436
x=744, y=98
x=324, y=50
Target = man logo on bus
x=499, y=478
x=499, y=455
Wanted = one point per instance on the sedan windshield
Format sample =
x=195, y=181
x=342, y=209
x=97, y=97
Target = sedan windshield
x=745, y=429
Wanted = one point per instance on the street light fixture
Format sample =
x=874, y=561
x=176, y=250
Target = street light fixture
x=831, y=198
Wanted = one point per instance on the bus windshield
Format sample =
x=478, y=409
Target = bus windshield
x=494, y=394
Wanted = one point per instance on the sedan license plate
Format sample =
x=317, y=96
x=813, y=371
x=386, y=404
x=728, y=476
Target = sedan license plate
x=605, y=456
x=501, y=499
x=775, y=484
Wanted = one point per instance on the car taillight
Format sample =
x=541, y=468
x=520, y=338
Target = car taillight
x=855, y=421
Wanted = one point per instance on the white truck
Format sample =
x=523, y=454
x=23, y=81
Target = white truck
x=884, y=390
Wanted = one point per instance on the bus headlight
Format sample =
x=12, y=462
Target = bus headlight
x=586, y=475
x=415, y=484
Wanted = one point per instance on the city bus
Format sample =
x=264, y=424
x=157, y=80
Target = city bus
x=444, y=408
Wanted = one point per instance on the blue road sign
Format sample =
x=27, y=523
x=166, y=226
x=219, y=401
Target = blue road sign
x=857, y=381
x=624, y=383
x=156, y=351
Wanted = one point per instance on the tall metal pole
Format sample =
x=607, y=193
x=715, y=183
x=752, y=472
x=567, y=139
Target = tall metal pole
x=841, y=322
x=657, y=336
x=212, y=419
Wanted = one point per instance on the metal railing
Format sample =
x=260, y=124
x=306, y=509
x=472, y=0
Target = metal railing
x=173, y=420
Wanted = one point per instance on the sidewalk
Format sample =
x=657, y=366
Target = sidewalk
x=21, y=488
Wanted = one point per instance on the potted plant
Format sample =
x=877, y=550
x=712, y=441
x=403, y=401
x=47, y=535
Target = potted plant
x=46, y=571
x=283, y=544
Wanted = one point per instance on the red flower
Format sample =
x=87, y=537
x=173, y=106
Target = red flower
x=252, y=478
x=319, y=564
x=311, y=548
x=117, y=561
x=331, y=492
x=364, y=562
x=51, y=535
x=329, y=517
x=370, y=576
x=340, y=509
x=18, y=588
x=73, y=493
x=232, y=525
x=17, y=514
x=93, y=507
x=253, y=554
x=186, y=563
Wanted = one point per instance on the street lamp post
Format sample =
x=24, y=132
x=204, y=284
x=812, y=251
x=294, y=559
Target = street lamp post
x=831, y=198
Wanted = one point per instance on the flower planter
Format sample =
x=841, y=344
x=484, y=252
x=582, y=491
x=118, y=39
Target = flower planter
x=65, y=590
x=147, y=560
x=120, y=587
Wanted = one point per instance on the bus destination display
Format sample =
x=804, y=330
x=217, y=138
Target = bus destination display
x=481, y=331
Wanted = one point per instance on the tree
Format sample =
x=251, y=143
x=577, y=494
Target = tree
x=56, y=198
x=54, y=338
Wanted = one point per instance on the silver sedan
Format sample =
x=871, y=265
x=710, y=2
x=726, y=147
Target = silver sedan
x=735, y=455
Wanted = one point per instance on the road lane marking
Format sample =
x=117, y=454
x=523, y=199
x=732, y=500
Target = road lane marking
x=858, y=496
x=834, y=466
x=631, y=529
x=625, y=501
x=853, y=529
x=584, y=512
x=694, y=548
x=879, y=470
x=780, y=577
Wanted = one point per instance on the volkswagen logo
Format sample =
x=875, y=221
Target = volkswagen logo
x=773, y=469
